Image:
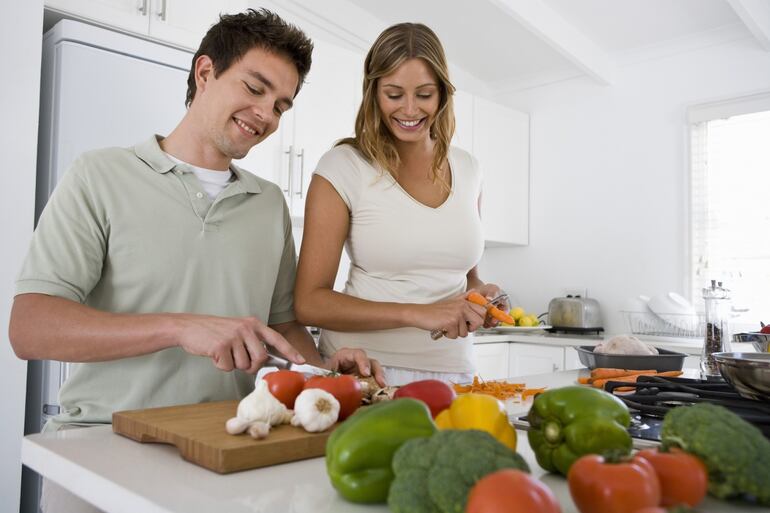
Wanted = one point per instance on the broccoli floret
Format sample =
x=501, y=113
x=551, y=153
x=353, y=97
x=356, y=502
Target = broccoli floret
x=435, y=475
x=736, y=454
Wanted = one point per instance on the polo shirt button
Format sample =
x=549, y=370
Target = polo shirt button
x=199, y=195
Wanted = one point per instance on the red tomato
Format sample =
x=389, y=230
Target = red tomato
x=599, y=487
x=683, y=477
x=436, y=394
x=346, y=389
x=285, y=385
x=511, y=491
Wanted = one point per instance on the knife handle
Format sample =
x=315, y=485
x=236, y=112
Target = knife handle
x=277, y=361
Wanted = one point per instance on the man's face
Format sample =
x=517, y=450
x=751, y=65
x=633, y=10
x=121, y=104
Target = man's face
x=243, y=105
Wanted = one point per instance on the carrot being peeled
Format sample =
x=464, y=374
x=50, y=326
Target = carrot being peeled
x=475, y=297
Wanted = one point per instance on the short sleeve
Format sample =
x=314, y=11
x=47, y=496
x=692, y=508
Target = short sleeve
x=282, y=302
x=69, y=245
x=343, y=167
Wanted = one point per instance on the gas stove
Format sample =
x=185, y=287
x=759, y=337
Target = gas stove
x=654, y=396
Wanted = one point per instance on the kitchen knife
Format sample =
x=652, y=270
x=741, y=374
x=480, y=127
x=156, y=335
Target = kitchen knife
x=284, y=364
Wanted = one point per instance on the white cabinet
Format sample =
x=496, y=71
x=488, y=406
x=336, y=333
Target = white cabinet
x=501, y=145
x=324, y=112
x=499, y=139
x=571, y=359
x=492, y=360
x=528, y=359
x=180, y=22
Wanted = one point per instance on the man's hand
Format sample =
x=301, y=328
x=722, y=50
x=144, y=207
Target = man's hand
x=231, y=342
x=355, y=361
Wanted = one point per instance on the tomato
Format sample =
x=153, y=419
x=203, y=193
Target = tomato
x=511, y=491
x=683, y=477
x=597, y=486
x=285, y=385
x=346, y=389
x=436, y=394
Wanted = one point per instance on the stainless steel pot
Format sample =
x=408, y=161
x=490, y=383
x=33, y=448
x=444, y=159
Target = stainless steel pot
x=760, y=341
x=749, y=373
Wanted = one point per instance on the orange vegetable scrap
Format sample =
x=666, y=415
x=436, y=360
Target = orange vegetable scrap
x=500, y=389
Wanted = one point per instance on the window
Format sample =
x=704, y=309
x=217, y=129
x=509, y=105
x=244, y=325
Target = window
x=730, y=204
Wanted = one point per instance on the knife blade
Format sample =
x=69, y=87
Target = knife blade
x=304, y=368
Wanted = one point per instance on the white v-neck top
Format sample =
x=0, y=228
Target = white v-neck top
x=404, y=251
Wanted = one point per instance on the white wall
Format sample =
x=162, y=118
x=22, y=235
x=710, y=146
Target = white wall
x=21, y=28
x=609, y=175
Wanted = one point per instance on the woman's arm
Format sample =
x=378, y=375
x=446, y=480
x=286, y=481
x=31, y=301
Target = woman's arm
x=327, y=222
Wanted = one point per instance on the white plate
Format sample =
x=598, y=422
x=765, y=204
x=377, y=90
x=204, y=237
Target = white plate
x=509, y=329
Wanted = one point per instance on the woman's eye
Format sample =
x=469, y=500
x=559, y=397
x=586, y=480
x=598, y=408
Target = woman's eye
x=394, y=97
x=424, y=96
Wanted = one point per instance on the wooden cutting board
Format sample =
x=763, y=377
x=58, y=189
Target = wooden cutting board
x=198, y=431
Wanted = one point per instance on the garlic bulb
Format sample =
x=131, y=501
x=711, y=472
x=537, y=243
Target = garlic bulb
x=315, y=410
x=257, y=412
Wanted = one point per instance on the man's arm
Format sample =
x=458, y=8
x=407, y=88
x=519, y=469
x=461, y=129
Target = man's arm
x=50, y=327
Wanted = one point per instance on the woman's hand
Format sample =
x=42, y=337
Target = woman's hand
x=454, y=317
x=491, y=291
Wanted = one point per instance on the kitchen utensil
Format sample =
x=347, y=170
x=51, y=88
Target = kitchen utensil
x=198, y=431
x=717, y=329
x=283, y=363
x=490, y=305
x=760, y=341
x=749, y=373
x=664, y=361
x=575, y=313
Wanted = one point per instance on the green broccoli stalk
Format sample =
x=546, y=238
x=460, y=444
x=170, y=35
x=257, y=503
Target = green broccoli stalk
x=435, y=475
x=736, y=454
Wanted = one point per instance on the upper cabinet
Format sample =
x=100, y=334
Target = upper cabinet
x=499, y=139
x=180, y=22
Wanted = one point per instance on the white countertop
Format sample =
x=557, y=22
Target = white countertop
x=120, y=475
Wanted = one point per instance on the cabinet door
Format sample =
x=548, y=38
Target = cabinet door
x=463, y=106
x=130, y=15
x=571, y=359
x=325, y=111
x=501, y=145
x=492, y=360
x=531, y=359
x=185, y=22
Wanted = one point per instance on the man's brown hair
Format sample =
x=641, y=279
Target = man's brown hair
x=235, y=34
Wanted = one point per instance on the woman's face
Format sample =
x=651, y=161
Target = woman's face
x=409, y=99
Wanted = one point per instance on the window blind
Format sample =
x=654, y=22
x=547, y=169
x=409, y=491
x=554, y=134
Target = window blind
x=730, y=210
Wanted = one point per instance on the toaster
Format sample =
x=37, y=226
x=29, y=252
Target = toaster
x=575, y=313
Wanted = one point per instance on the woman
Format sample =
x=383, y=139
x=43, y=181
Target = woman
x=406, y=206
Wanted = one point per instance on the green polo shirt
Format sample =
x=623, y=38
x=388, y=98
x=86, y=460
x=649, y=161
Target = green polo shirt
x=129, y=231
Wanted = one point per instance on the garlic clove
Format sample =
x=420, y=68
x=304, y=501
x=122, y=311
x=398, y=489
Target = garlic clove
x=258, y=429
x=236, y=425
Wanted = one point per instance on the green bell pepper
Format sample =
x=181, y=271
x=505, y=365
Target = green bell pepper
x=568, y=422
x=359, y=452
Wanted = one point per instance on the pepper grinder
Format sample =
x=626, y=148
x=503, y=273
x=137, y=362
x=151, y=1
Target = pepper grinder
x=717, y=338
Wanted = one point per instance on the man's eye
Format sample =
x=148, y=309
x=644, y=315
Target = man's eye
x=278, y=111
x=256, y=92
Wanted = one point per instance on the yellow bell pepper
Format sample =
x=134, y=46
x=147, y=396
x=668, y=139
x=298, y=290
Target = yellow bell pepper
x=479, y=411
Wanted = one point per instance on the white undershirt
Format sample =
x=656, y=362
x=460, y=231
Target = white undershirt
x=212, y=180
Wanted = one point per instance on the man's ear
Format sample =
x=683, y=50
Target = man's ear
x=204, y=70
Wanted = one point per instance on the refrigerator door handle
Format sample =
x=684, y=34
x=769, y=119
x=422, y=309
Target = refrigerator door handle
x=290, y=153
x=162, y=12
x=301, y=156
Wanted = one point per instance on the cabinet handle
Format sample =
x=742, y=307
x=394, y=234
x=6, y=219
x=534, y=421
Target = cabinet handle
x=142, y=7
x=555, y=367
x=162, y=12
x=290, y=153
x=301, y=156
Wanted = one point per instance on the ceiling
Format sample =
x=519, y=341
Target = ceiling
x=511, y=45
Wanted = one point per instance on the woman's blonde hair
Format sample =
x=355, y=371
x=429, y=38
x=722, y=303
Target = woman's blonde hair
x=394, y=46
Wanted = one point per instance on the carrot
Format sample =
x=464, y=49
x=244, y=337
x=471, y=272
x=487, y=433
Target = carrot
x=499, y=389
x=475, y=297
x=599, y=383
x=531, y=392
x=584, y=380
x=605, y=373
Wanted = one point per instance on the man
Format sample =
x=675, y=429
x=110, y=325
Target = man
x=148, y=258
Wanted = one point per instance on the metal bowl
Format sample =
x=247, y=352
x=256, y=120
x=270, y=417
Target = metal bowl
x=749, y=373
x=760, y=341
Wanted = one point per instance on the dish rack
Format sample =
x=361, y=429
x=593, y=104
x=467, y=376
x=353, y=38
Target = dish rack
x=668, y=325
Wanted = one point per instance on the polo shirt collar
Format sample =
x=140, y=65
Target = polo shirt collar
x=151, y=154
